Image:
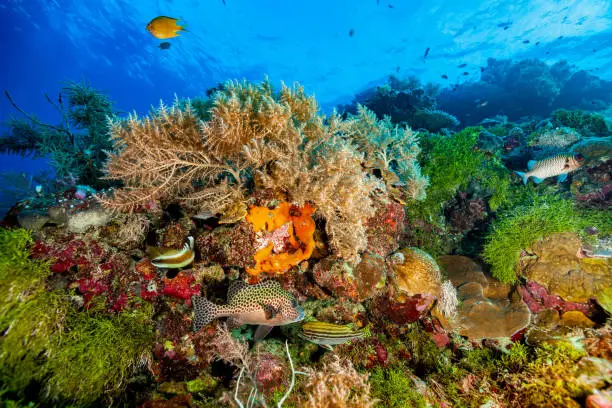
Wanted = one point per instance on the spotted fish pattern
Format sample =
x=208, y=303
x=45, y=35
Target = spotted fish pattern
x=266, y=304
x=557, y=166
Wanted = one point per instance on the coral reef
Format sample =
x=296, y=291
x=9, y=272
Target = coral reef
x=528, y=87
x=338, y=211
x=276, y=141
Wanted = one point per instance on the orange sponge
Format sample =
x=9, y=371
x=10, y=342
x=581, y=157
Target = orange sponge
x=286, y=236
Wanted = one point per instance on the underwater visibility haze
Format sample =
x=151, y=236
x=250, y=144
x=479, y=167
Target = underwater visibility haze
x=370, y=203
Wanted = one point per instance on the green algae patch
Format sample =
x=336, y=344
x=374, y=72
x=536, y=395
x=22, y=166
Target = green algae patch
x=453, y=163
x=537, y=217
x=29, y=330
x=395, y=389
x=20, y=276
x=97, y=355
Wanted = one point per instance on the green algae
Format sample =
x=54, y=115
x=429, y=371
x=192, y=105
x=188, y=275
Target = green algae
x=395, y=389
x=454, y=163
x=80, y=356
x=20, y=276
x=97, y=354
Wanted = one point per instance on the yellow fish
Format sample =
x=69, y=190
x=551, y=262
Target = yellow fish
x=163, y=27
x=176, y=258
x=327, y=335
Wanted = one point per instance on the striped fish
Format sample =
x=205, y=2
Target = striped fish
x=557, y=166
x=176, y=258
x=327, y=334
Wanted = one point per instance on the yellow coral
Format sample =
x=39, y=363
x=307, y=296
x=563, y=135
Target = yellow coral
x=416, y=272
x=300, y=236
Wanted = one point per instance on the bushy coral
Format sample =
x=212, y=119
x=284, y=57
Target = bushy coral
x=77, y=145
x=520, y=226
x=258, y=139
x=337, y=384
x=558, y=138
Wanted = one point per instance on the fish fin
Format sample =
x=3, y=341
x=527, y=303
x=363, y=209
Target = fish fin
x=327, y=347
x=233, y=322
x=204, y=312
x=235, y=287
x=271, y=311
x=537, y=180
x=530, y=164
x=262, y=331
x=269, y=283
x=189, y=244
x=523, y=176
x=562, y=178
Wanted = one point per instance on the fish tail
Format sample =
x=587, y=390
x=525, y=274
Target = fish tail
x=204, y=312
x=523, y=176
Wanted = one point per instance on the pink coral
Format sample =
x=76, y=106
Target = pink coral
x=537, y=299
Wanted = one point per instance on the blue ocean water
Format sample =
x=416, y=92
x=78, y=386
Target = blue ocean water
x=334, y=49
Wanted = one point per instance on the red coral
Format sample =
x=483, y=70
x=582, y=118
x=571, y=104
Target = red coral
x=182, y=286
x=90, y=288
x=408, y=310
x=337, y=277
x=120, y=303
x=384, y=228
x=537, y=299
x=269, y=373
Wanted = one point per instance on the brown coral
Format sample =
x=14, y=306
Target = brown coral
x=416, y=272
x=270, y=140
x=488, y=308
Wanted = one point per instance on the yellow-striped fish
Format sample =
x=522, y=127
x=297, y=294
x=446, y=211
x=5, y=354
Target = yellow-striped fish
x=559, y=165
x=328, y=334
x=176, y=258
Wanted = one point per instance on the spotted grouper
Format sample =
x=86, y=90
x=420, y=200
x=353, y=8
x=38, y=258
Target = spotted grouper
x=266, y=304
x=557, y=166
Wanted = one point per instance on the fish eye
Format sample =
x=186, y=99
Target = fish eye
x=293, y=303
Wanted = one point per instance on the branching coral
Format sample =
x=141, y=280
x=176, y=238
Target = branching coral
x=163, y=158
x=389, y=149
x=236, y=352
